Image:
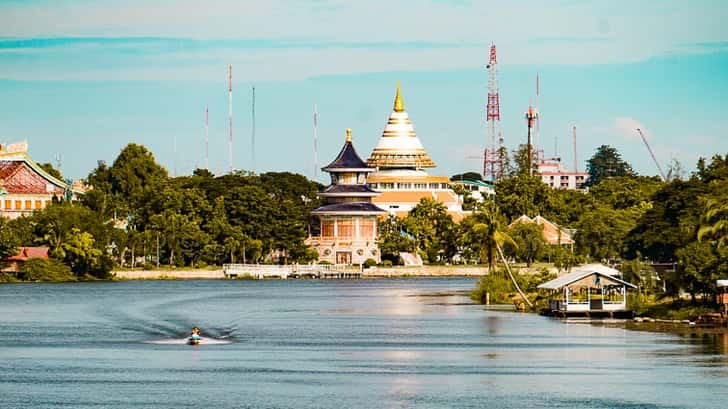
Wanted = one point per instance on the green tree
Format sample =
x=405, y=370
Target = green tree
x=530, y=242
x=466, y=176
x=523, y=194
x=8, y=240
x=80, y=253
x=698, y=267
x=605, y=163
x=714, y=219
x=393, y=238
x=601, y=232
x=49, y=169
x=433, y=230
x=485, y=230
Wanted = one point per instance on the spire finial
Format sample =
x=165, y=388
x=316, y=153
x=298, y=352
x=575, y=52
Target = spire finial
x=348, y=134
x=398, y=103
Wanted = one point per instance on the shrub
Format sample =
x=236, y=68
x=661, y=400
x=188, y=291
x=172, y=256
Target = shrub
x=497, y=285
x=387, y=263
x=38, y=269
x=370, y=262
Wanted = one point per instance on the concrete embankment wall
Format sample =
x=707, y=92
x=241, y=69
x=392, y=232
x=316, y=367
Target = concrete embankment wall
x=191, y=274
x=425, y=271
x=376, y=272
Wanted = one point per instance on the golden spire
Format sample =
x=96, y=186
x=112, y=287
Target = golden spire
x=348, y=134
x=398, y=103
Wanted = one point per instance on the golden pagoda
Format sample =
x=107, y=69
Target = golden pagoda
x=399, y=147
x=400, y=160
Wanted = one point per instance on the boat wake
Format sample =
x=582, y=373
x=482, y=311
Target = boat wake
x=183, y=341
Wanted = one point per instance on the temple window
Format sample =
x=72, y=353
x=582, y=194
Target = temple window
x=434, y=185
x=366, y=229
x=38, y=204
x=373, y=185
x=361, y=178
x=444, y=185
x=18, y=204
x=346, y=228
x=420, y=185
x=327, y=228
x=405, y=185
x=28, y=204
x=8, y=204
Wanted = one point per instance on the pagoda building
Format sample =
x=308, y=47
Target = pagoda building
x=348, y=216
x=25, y=187
x=401, y=161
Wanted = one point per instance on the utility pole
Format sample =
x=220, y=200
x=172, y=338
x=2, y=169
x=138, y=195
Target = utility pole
x=531, y=118
x=576, y=163
x=252, y=136
x=230, y=116
x=207, y=141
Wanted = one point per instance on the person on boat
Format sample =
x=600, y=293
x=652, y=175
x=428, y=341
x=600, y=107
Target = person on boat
x=195, y=334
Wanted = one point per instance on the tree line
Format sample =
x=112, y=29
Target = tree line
x=135, y=214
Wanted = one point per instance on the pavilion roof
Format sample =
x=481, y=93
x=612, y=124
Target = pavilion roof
x=582, y=272
x=348, y=159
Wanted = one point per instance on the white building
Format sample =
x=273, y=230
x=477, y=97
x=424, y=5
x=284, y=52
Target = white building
x=555, y=175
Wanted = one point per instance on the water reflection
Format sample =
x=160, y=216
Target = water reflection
x=337, y=344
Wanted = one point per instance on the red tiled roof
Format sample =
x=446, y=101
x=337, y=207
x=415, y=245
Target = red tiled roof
x=24, y=253
x=17, y=177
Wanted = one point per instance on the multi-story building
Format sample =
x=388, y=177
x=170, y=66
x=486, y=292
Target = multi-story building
x=555, y=175
x=348, y=217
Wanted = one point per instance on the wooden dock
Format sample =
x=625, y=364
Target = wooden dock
x=283, y=272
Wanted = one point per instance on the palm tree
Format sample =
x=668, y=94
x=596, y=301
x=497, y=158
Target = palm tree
x=490, y=231
x=715, y=221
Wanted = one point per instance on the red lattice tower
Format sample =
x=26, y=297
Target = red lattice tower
x=492, y=156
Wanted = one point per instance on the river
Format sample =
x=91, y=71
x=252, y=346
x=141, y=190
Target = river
x=411, y=343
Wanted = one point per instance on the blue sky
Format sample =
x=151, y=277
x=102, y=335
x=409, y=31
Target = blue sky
x=84, y=78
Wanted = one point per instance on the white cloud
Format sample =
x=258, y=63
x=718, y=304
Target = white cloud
x=627, y=128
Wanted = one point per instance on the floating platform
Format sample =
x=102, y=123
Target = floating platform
x=621, y=314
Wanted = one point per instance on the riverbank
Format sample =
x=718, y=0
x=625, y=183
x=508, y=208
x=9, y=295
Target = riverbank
x=374, y=272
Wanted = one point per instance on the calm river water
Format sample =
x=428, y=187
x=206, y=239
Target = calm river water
x=330, y=344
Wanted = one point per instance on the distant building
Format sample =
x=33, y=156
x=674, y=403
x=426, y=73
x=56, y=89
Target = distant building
x=553, y=233
x=400, y=160
x=15, y=263
x=24, y=186
x=348, y=217
x=555, y=175
x=479, y=189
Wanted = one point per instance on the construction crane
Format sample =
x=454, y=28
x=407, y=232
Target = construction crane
x=662, y=174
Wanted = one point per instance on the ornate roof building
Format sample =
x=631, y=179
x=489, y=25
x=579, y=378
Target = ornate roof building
x=348, y=216
x=24, y=186
x=400, y=159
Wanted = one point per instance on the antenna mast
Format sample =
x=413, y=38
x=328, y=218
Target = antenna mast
x=576, y=162
x=59, y=161
x=537, y=135
x=230, y=116
x=315, y=142
x=531, y=118
x=207, y=140
x=252, y=137
x=492, y=156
